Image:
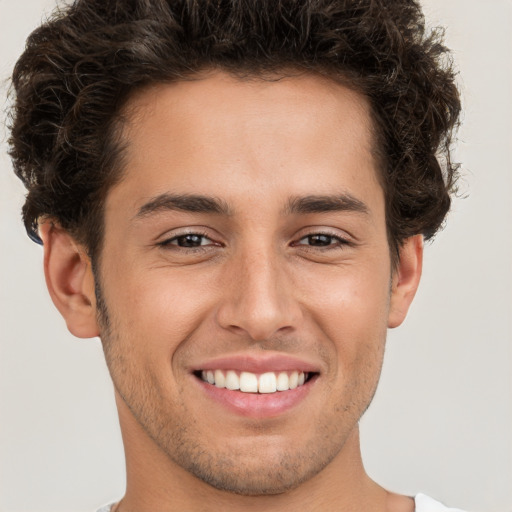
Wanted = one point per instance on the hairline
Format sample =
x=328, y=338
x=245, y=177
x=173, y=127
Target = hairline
x=127, y=112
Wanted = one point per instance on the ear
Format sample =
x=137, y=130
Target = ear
x=69, y=279
x=406, y=278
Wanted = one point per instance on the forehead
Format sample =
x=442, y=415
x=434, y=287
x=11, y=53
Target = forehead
x=223, y=136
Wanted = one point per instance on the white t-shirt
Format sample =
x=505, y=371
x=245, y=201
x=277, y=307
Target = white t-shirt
x=426, y=504
x=423, y=504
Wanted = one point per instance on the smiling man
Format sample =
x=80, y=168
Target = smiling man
x=234, y=196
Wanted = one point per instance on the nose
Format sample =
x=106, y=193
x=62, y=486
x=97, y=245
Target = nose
x=259, y=297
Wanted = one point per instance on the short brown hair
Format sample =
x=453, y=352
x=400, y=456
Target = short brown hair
x=80, y=67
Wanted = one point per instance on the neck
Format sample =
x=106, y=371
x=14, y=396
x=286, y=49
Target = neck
x=155, y=482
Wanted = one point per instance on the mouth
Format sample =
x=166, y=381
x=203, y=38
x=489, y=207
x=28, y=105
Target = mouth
x=256, y=386
x=261, y=383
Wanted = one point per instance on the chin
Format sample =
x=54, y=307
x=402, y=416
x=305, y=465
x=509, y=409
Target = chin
x=261, y=469
x=265, y=480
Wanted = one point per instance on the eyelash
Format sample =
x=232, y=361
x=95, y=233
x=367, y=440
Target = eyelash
x=169, y=242
x=340, y=242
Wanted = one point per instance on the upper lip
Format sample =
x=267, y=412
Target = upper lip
x=258, y=363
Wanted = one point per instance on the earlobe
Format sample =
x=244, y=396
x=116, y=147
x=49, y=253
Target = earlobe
x=406, y=279
x=70, y=280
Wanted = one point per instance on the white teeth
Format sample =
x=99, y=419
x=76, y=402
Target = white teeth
x=220, y=380
x=283, y=382
x=248, y=382
x=267, y=383
x=232, y=380
x=294, y=380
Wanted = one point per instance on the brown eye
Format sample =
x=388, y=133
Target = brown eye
x=189, y=241
x=320, y=240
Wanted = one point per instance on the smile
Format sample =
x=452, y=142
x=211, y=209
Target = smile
x=248, y=382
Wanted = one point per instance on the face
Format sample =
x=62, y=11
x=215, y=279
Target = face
x=245, y=247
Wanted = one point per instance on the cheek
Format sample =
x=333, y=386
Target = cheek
x=348, y=298
x=157, y=309
x=351, y=309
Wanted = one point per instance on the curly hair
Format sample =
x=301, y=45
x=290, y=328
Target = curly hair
x=80, y=68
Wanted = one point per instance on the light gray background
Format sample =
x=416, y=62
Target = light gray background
x=441, y=422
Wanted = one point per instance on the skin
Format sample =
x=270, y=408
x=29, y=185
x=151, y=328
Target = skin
x=256, y=285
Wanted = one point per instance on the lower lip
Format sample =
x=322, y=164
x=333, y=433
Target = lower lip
x=257, y=405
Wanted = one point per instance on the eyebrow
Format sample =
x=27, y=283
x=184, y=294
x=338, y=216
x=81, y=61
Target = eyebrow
x=327, y=203
x=194, y=203
x=185, y=203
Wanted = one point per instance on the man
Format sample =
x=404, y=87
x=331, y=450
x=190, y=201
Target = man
x=234, y=197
